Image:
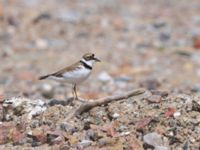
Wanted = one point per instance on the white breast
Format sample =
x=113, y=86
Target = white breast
x=77, y=76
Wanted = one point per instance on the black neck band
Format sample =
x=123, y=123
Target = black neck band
x=86, y=65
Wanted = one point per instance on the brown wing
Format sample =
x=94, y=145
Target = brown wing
x=66, y=69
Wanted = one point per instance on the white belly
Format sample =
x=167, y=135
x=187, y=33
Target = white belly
x=74, y=77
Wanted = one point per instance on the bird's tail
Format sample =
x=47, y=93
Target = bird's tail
x=43, y=77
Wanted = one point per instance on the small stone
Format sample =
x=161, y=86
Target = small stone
x=123, y=78
x=150, y=84
x=170, y=112
x=115, y=115
x=104, y=77
x=92, y=135
x=143, y=123
x=47, y=91
x=7, y=51
x=35, y=123
x=192, y=140
x=196, y=42
x=154, y=98
x=159, y=24
x=68, y=128
x=196, y=88
x=85, y=143
x=41, y=44
x=154, y=139
x=55, y=137
x=161, y=148
x=13, y=20
x=177, y=114
x=38, y=137
x=105, y=141
x=122, y=128
x=125, y=133
x=68, y=15
x=197, y=129
x=195, y=106
x=36, y=111
x=164, y=37
x=42, y=16
x=186, y=146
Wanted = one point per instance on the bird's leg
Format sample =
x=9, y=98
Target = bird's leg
x=75, y=92
x=65, y=92
x=76, y=96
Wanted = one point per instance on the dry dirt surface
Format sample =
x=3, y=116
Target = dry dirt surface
x=149, y=44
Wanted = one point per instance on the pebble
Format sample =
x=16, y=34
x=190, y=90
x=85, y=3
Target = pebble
x=125, y=133
x=92, y=135
x=68, y=127
x=68, y=15
x=192, y=140
x=196, y=42
x=41, y=44
x=150, y=84
x=123, y=78
x=195, y=106
x=85, y=143
x=115, y=116
x=154, y=98
x=105, y=141
x=122, y=128
x=177, y=114
x=154, y=139
x=47, y=91
x=161, y=148
x=164, y=37
x=186, y=146
x=104, y=77
x=36, y=111
x=197, y=129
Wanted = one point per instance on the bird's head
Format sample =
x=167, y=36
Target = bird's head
x=90, y=58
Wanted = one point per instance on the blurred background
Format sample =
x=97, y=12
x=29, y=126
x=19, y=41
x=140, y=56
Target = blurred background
x=142, y=43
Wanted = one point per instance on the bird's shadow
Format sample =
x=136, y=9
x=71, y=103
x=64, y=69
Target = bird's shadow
x=68, y=101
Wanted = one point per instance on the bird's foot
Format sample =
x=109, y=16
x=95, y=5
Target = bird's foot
x=81, y=100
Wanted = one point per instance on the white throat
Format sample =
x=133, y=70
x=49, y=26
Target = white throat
x=89, y=62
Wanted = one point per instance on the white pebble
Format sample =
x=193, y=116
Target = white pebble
x=177, y=114
x=115, y=115
x=104, y=77
x=41, y=44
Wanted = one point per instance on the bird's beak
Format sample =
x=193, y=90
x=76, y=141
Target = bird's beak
x=96, y=59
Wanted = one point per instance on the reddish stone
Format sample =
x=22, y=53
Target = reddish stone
x=196, y=42
x=142, y=123
x=170, y=112
x=154, y=98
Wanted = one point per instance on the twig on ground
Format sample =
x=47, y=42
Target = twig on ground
x=102, y=101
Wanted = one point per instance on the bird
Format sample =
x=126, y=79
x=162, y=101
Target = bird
x=75, y=73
